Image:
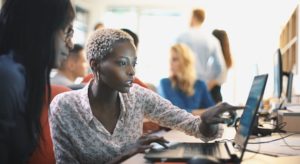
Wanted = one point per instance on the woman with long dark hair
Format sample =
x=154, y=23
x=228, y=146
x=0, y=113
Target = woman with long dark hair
x=222, y=36
x=34, y=37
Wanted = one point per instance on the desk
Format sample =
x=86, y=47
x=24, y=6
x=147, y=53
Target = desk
x=249, y=158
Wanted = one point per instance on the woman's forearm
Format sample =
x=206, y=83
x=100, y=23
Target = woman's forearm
x=123, y=156
x=198, y=112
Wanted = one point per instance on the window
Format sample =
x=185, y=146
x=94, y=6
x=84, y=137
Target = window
x=155, y=28
x=80, y=25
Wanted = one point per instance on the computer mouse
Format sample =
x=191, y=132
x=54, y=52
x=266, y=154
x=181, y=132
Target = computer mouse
x=157, y=146
x=229, y=118
x=204, y=160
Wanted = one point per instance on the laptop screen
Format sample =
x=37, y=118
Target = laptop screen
x=248, y=116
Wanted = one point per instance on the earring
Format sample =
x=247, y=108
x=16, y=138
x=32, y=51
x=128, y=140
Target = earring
x=97, y=76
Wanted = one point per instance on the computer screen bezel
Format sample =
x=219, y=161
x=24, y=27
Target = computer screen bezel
x=278, y=74
x=239, y=140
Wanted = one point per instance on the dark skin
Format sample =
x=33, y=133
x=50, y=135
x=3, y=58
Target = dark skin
x=107, y=110
x=115, y=74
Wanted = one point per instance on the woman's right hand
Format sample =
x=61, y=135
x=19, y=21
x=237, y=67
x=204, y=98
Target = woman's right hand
x=142, y=144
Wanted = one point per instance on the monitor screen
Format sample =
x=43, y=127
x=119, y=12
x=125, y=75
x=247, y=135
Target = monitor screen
x=277, y=74
x=250, y=111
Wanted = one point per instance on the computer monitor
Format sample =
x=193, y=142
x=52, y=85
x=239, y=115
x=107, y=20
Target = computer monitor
x=277, y=60
x=279, y=78
x=289, y=86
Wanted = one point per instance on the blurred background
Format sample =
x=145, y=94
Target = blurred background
x=255, y=29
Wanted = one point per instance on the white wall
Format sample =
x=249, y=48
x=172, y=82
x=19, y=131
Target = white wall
x=253, y=27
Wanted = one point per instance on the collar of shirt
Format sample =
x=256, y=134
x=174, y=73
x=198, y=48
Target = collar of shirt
x=88, y=115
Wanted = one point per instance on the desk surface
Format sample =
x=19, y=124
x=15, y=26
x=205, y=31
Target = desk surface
x=269, y=148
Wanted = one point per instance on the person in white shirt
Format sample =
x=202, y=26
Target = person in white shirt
x=210, y=64
x=74, y=66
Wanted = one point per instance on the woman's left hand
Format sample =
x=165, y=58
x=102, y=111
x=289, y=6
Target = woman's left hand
x=213, y=114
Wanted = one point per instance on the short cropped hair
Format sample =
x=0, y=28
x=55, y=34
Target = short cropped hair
x=101, y=42
x=133, y=35
x=199, y=14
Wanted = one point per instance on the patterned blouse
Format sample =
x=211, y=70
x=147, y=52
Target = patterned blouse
x=78, y=137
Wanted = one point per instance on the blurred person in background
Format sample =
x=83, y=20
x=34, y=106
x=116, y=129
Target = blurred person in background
x=182, y=87
x=74, y=66
x=210, y=64
x=222, y=36
x=99, y=26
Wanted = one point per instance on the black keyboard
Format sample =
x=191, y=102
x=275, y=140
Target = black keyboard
x=207, y=149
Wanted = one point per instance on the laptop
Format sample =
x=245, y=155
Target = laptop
x=218, y=151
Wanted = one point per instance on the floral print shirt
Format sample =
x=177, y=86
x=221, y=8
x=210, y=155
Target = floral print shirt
x=78, y=137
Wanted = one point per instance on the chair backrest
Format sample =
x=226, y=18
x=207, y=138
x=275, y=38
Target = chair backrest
x=44, y=151
x=87, y=78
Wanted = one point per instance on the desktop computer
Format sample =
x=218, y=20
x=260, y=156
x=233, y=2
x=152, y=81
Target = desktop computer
x=289, y=119
x=276, y=110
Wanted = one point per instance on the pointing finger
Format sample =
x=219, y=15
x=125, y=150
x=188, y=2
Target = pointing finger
x=238, y=107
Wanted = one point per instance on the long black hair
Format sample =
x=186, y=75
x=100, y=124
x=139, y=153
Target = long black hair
x=222, y=36
x=28, y=28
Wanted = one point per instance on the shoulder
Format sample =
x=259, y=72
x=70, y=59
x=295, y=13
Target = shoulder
x=60, y=79
x=165, y=81
x=12, y=73
x=137, y=89
x=183, y=36
x=64, y=100
x=213, y=40
x=200, y=84
x=138, y=93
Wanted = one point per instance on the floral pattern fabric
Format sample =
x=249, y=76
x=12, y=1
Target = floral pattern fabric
x=78, y=137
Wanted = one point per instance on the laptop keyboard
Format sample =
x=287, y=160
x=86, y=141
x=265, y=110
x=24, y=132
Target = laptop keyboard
x=207, y=149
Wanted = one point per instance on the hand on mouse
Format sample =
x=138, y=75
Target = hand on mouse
x=142, y=144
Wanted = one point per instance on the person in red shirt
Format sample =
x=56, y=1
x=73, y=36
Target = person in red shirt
x=44, y=151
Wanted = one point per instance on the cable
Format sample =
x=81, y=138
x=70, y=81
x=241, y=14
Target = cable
x=257, y=152
x=291, y=147
x=272, y=140
x=236, y=123
x=280, y=126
